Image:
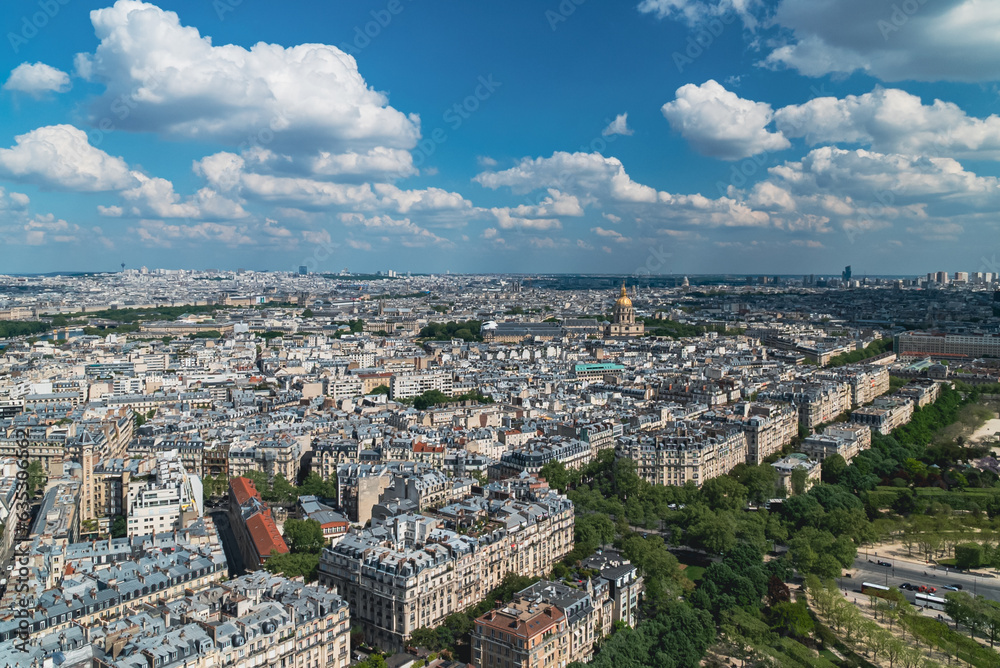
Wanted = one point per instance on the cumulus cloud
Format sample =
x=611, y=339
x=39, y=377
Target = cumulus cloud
x=59, y=157
x=893, y=121
x=37, y=79
x=156, y=197
x=894, y=41
x=175, y=82
x=720, y=124
x=406, y=232
x=695, y=12
x=603, y=183
x=160, y=234
x=589, y=175
x=44, y=229
x=610, y=234
x=619, y=126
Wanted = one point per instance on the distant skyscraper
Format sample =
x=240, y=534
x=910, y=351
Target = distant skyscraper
x=303, y=270
x=846, y=275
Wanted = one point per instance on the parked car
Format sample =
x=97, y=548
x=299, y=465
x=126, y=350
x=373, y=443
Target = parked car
x=906, y=585
x=956, y=586
x=922, y=589
x=884, y=563
x=950, y=587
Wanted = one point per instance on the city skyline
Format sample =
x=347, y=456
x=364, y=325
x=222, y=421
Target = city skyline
x=662, y=137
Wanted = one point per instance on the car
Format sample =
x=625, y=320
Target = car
x=956, y=586
x=922, y=588
x=949, y=587
x=906, y=585
x=884, y=563
x=931, y=590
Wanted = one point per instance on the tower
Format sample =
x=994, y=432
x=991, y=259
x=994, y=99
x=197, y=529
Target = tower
x=623, y=317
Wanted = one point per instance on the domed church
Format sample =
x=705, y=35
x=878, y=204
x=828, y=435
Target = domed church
x=623, y=322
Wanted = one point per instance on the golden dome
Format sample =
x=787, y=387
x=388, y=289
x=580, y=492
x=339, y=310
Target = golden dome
x=623, y=300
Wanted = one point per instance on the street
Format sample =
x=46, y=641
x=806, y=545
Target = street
x=917, y=574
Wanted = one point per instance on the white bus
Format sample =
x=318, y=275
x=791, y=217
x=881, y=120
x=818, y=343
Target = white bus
x=873, y=589
x=930, y=601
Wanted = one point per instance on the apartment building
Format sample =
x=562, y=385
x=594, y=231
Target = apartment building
x=843, y=439
x=277, y=455
x=682, y=452
x=940, y=345
x=816, y=402
x=170, y=501
x=536, y=453
x=768, y=426
x=885, y=414
x=521, y=635
x=409, y=571
x=405, y=385
x=797, y=461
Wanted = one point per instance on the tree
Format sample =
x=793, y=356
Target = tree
x=798, y=481
x=283, y=491
x=36, y=476
x=119, y=527
x=556, y=475
x=304, y=535
x=833, y=469
x=968, y=555
x=307, y=313
x=791, y=618
x=381, y=389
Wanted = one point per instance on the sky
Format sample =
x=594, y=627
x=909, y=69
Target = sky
x=537, y=136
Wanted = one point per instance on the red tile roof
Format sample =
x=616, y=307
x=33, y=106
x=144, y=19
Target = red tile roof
x=265, y=535
x=243, y=490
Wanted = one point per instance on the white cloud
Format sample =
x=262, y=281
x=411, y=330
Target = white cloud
x=894, y=41
x=586, y=175
x=44, y=229
x=720, y=124
x=406, y=231
x=163, y=77
x=702, y=12
x=112, y=211
x=37, y=79
x=893, y=121
x=485, y=162
x=156, y=197
x=619, y=126
x=359, y=245
x=610, y=234
x=159, y=234
x=60, y=157
x=507, y=221
x=603, y=183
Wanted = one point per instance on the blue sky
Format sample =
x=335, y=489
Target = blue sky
x=659, y=136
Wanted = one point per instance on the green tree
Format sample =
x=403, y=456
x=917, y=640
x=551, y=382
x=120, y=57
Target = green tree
x=968, y=555
x=119, y=527
x=304, y=535
x=283, y=491
x=555, y=474
x=36, y=476
x=798, y=481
